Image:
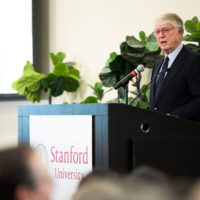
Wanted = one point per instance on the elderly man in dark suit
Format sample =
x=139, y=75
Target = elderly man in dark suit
x=175, y=89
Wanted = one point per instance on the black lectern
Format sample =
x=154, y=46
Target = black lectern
x=125, y=137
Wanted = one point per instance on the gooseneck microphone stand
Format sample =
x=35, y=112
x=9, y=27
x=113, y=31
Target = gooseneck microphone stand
x=138, y=95
x=125, y=86
x=124, y=83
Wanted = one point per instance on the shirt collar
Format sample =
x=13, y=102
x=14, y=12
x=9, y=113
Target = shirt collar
x=174, y=54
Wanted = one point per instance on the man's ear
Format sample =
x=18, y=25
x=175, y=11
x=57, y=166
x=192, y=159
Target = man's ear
x=23, y=193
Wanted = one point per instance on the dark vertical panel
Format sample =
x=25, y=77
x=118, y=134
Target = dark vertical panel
x=40, y=35
x=105, y=147
x=98, y=142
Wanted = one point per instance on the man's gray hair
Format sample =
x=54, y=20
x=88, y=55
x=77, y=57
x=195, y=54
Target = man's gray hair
x=170, y=18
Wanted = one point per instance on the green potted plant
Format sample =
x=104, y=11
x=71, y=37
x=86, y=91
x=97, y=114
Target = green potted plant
x=132, y=53
x=193, y=28
x=64, y=77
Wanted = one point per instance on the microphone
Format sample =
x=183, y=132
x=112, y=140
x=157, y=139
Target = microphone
x=163, y=71
x=124, y=81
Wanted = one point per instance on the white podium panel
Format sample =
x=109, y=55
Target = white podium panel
x=65, y=144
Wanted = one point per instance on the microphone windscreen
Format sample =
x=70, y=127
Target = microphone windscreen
x=140, y=68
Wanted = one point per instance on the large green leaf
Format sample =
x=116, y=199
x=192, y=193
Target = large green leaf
x=30, y=80
x=71, y=84
x=108, y=78
x=117, y=65
x=90, y=99
x=150, y=60
x=193, y=47
x=29, y=87
x=29, y=84
x=186, y=38
x=142, y=104
x=121, y=93
x=142, y=36
x=75, y=73
x=195, y=19
x=98, y=90
x=152, y=46
x=45, y=82
x=19, y=85
x=70, y=64
x=57, y=58
x=134, y=43
x=190, y=26
x=29, y=70
x=147, y=94
x=151, y=43
x=198, y=27
x=60, y=69
x=33, y=96
x=61, y=84
x=194, y=36
x=34, y=87
x=57, y=86
x=112, y=57
x=193, y=27
x=151, y=38
x=133, y=56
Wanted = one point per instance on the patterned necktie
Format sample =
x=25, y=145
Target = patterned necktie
x=161, y=78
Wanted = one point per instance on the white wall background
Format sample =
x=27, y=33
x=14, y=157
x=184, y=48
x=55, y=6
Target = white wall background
x=88, y=31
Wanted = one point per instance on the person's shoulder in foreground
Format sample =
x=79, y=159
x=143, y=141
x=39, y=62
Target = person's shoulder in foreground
x=23, y=175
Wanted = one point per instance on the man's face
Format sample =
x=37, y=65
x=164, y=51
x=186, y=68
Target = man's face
x=168, y=37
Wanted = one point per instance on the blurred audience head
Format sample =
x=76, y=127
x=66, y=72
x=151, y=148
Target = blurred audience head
x=100, y=185
x=23, y=175
x=143, y=183
x=100, y=190
x=146, y=183
x=148, y=175
x=99, y=174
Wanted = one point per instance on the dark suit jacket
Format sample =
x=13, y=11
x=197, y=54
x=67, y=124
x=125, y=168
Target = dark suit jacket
x=180, y=93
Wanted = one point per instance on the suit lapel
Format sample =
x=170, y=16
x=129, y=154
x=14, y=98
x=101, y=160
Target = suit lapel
x=176, y=66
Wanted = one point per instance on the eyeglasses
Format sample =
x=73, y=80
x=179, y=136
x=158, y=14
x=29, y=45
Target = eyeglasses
x=164, y=31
